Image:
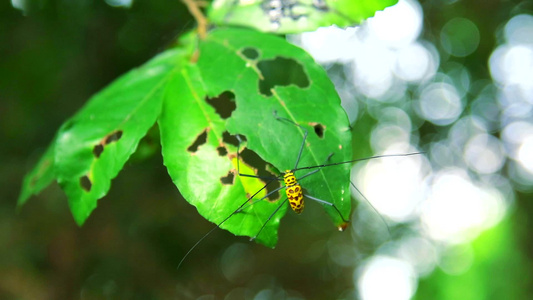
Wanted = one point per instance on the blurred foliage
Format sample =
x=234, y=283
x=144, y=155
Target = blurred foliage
x=500, y=270
x=60, y=53
x=294, y=16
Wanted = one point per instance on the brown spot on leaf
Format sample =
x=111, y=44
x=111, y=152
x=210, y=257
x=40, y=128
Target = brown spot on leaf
x=108, y=139
x=113, y=137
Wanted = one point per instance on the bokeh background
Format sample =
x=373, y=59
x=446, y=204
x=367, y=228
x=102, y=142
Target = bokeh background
x=451, y=78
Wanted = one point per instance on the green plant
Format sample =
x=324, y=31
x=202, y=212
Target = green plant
x=183, y=89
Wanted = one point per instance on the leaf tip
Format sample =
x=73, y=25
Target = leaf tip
x=343, y=226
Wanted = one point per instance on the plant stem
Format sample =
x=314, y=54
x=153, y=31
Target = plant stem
x=194, y=9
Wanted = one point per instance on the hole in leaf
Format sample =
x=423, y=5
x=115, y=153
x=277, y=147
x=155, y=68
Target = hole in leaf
x=224, y=104
x=97, y=150
x=250, y=53
x=86, y=183
x=108, y=139
x=281, y=71
x=222, y=151
x=228, y=179
x=319, y=129
x=256, y=162
x=113, y=137
x=200, y=140
x=231, y=139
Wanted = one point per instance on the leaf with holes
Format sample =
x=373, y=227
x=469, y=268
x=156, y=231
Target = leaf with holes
x=294, y=16
x=201, y=162
x=91, y=148
x=266, y=74
x=95, y=144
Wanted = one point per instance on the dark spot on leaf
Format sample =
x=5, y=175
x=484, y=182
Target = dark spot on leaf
x=282, y=72
x=86, y=183
x=200, y=140
x=222, y=151
x=113, y=137
x=228, y=179
x=319, y=129
x=97, y=150
x=250, y=53
x=108, y=139
x=256, y=162
x=224, y=104
x=227, y=138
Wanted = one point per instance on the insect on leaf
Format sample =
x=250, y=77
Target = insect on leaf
x=247, y=63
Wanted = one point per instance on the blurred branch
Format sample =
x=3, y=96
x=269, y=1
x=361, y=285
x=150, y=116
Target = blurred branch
x=201, y=20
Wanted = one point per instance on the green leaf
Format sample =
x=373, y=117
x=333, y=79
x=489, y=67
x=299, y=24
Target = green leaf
x=94, y=145
x=248, y=63
x=294, y=16
x=191, y=133
x=38, y=178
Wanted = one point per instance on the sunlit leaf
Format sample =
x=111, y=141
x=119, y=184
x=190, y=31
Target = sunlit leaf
x=202, y=164
x=92, y=147
x=247, y=64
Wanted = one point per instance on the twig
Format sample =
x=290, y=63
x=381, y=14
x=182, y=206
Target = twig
x=194, y=9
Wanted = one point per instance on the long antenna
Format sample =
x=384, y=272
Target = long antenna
x=359, y=159
x=303, y=140
x=370, y=203
x=218, y=225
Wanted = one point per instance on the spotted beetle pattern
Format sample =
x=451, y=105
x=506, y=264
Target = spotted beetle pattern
x=294, y=192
